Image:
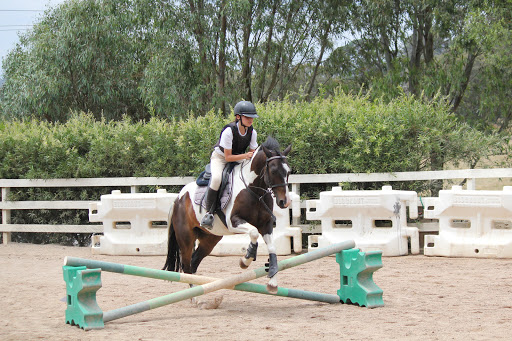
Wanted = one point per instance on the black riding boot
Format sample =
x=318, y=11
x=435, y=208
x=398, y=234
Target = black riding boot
x=211, y=200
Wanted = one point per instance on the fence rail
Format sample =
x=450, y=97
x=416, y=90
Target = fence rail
x=295, y=180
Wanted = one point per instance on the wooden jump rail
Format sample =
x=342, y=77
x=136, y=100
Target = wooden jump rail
x=83, y=279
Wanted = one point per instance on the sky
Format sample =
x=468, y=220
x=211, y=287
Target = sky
x=18, y=16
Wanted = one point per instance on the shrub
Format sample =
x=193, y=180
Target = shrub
x=339, y=134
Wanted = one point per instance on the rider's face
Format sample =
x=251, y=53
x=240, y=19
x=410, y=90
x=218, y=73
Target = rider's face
x=247, y=121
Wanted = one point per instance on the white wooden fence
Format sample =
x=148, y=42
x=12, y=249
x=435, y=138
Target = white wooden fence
x=295, y=180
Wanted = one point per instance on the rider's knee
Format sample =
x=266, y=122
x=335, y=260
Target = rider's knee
x=215, y=183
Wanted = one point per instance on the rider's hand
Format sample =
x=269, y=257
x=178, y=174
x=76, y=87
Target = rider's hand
x=248, y=155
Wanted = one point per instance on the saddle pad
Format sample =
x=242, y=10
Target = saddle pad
x=225, y=196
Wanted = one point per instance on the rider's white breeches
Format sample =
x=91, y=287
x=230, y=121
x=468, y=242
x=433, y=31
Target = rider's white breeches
x=217, y=164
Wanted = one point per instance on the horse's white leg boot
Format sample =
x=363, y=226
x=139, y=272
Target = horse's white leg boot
x=272, y=263
x=251, y=249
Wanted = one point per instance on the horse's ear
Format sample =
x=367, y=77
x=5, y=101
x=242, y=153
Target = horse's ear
x=287, y=150
x=267, y=152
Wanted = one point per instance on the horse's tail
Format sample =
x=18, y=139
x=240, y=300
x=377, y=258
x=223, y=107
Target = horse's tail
x=172, y=262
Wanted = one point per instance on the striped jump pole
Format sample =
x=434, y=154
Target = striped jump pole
x=195, y=279
x=83, y=279
x=226, y=283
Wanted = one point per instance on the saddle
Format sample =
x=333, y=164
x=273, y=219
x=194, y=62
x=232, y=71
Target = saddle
x=225, y=190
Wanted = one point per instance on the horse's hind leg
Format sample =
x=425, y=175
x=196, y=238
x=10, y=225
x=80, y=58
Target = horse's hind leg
x=252, y=249
x=180, y=237
x=206, y=244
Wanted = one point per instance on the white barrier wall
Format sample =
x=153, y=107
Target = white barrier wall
x=375, y=220
x=136, y=224
x=284, y=235
x=472, y=223
x=133, y=223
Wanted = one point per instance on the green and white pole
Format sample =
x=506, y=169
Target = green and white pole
x=208, y=284
x=198, y=280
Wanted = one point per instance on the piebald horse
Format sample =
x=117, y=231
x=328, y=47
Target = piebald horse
x=249, y=210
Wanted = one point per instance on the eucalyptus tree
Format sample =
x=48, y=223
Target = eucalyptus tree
x=258, y=50
x=170, y=58
x=488, y=104
x=167, y=58
x=216, y=52
x=84, y=55
x=429, y=48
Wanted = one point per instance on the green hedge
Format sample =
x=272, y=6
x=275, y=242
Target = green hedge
x=340, y=134
x=84, y=148
x=335, y=135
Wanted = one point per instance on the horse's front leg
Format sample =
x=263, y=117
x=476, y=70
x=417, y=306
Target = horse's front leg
x=272, y=263
x=241, y=226
x=252, y=249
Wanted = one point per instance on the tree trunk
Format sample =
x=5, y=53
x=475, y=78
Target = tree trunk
x=246, y=54
x=222, y=59
x=268, y=46
x=384, y=39
x=465, y=80
x=414, y=62
x=280, y=58
x=428, y=37
x=199, y=34
x=324, y=41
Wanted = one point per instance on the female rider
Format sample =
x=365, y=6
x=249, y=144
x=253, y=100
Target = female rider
x=233, y=142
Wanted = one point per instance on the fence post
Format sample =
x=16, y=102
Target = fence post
x=6, y=216
x=296, y=190
x=472, y=184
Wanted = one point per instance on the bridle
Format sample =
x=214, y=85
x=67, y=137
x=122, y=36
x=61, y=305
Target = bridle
x=267, y=174
x=270, y=188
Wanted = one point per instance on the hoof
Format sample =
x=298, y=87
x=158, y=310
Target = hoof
x=272, y=288
x=272, y=285
x=242, y=264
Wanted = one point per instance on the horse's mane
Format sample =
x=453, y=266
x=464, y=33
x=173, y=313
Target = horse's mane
x=271, y=144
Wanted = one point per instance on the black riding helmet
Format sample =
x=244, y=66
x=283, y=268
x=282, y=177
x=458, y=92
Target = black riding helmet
x=245, y=108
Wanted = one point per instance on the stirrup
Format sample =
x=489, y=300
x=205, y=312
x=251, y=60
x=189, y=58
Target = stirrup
x=207, y=221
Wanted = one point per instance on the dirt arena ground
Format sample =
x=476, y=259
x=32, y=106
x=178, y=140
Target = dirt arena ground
x=425, y=299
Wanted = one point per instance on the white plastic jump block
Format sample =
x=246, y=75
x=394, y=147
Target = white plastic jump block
x=133, y=223
x=375, y=220
x=284, y=235
x=472, y=223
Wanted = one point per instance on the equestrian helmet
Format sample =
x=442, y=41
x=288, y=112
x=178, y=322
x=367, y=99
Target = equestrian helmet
x=245, y=108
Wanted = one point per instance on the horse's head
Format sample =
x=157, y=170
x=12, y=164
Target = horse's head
x=276, y=175
x=274, y=170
